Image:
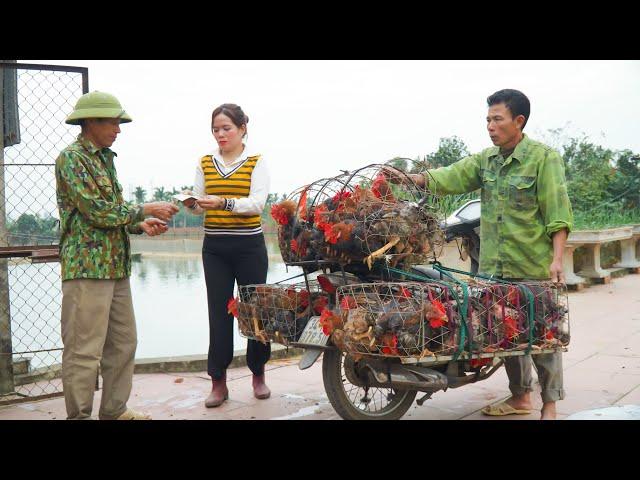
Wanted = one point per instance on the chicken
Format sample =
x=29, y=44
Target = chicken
x=329, y=322
x=381, y=188
x=284, y=212
x=355, y=226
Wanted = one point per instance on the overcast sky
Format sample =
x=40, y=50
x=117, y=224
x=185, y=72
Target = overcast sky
x=312, y=118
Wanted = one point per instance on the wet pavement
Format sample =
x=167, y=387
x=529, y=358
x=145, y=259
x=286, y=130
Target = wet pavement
x=601, y=371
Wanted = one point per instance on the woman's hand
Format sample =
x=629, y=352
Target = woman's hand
x=153, y=226
x=211, y=202
x=189, y=202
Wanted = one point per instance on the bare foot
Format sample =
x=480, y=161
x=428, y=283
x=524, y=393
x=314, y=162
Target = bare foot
x=548, y=411
x=522, y=402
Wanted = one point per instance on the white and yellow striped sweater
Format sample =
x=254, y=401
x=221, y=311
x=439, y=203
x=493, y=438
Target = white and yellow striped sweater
x=231, y=185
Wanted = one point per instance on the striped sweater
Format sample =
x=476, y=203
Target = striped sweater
x=231, y=186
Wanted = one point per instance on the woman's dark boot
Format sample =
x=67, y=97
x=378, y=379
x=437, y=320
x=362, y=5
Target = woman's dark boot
x=219, y=392
x=260, y=389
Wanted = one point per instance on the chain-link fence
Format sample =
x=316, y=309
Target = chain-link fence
x=35, y=101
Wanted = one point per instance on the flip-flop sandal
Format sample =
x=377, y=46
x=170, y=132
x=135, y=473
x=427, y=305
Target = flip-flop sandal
x=503, y=408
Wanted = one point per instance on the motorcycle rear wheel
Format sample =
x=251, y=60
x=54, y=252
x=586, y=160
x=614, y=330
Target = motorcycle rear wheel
x=353, y=402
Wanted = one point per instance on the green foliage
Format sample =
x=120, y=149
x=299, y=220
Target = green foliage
x=589, y=173
x=159, y=194
x=625, y=184
x=140, y=194
x=603, y=185
x=398, y=162
x=450, y=150
x=449, y=203
x=33, y=229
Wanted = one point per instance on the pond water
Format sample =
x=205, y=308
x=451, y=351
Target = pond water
x=170, y=301
x=169, y=298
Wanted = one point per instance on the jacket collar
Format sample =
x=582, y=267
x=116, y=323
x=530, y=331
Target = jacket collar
x=518, y=153
x=92, y=148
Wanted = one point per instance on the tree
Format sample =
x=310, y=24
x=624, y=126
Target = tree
x=589, y=171
x=26, y=224
x=625, y=184
x=140, y=195
x=399, y=163
x=159, y=194
x=450, y=150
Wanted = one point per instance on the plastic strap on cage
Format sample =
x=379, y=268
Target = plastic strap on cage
x=462, y=308
x=524, y=288
x=531, y=299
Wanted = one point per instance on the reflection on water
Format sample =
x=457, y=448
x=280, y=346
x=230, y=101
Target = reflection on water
x=170, y=301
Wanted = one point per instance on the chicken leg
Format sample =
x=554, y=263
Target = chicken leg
x=381, y=251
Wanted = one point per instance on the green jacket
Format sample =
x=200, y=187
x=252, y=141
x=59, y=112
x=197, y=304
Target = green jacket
x=94, y=220
x=524, y=201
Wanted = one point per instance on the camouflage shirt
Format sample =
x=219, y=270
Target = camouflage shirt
x=94, y=220
x=524, y=201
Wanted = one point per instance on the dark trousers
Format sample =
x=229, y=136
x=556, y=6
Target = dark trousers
x=228, y=259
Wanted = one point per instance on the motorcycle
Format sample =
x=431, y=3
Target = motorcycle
x=386, y=387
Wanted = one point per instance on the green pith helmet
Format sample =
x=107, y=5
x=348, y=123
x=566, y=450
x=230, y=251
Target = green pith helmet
x=97, y=105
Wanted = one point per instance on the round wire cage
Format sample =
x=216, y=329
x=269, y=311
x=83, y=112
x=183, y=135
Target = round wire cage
x=360, y=217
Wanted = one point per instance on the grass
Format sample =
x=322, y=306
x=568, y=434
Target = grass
x=449, y=203
x=605, y=218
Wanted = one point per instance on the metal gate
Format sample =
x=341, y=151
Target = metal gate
x=34, y=103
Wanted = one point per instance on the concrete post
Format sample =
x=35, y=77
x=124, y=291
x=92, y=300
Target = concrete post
x=628, y=251
x=6, y=349
x=567, y=265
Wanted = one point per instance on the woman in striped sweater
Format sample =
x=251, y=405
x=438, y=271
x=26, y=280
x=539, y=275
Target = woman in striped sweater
x=232, y=185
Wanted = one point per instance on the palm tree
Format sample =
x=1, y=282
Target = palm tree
x=140, y=194
x=159, y=194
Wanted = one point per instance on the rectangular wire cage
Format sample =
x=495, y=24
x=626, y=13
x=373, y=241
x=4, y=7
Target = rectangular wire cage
x=515, y=316
x=396, y=319
x=407, y=319
x=278, y=312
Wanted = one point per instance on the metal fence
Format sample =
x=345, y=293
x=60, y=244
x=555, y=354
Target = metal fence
x=34, y=103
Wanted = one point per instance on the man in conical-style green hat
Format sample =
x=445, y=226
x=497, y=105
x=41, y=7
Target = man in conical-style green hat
x=98, y=323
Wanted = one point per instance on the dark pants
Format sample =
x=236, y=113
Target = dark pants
x=228, y=259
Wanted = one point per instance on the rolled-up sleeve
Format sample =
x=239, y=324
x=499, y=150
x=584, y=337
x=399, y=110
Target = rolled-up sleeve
x=461, y=177
x=553, y=199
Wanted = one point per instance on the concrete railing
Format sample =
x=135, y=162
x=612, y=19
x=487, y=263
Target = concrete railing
x=593, y=240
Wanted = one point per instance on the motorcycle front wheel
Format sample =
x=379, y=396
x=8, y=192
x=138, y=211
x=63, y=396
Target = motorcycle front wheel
x=354, y=402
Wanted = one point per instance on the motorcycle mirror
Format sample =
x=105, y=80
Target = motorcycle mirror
x=469, y=212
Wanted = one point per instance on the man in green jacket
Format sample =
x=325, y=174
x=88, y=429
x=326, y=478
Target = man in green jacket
x=97, y=322
x=526, y=218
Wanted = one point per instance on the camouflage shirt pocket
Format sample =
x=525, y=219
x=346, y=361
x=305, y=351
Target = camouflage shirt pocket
x=522, y=191
x=105, y=186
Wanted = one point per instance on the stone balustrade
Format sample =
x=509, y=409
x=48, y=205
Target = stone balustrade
x=593, y=240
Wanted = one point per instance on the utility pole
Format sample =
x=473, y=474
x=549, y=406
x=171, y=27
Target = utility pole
x=6, y=349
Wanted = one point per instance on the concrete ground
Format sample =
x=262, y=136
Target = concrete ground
x=601, y=369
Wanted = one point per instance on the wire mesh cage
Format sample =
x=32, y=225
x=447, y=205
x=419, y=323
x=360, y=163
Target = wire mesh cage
x=360, y=217
x=517, y=316
x=497, y=317
x=551, y=314
x=395, y=319
x=277, y=312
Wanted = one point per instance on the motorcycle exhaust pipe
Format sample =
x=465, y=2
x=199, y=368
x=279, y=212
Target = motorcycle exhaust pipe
x=407, y=378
